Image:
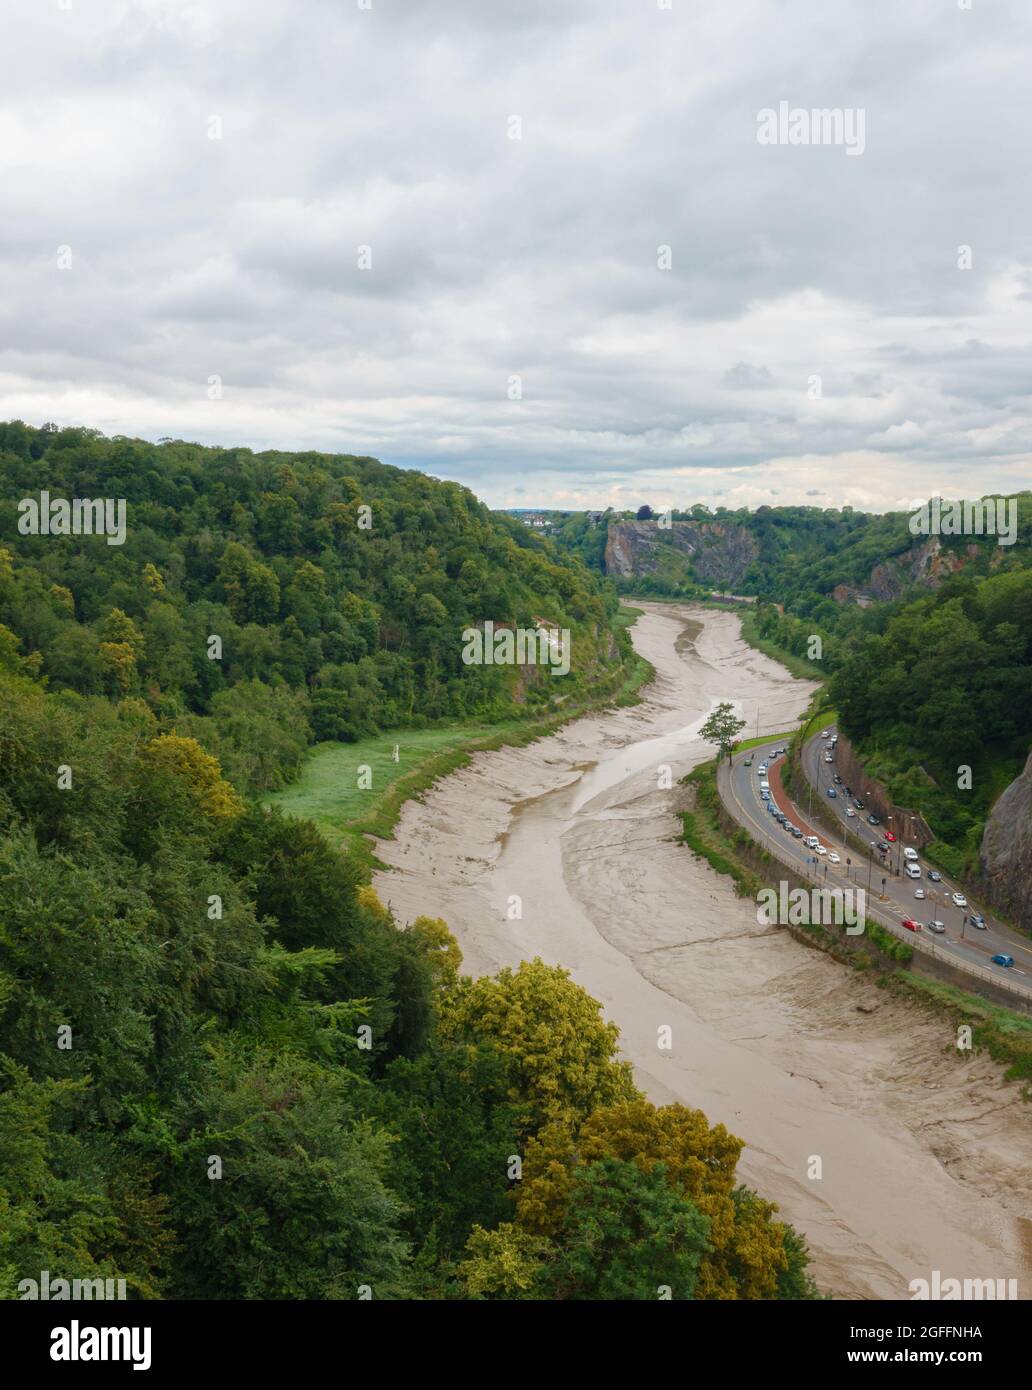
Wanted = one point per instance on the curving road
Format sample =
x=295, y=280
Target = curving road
x=890, y=895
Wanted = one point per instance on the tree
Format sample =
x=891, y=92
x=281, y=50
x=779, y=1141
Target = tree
x=560, y=1054
x=644, y=513
x=722, y=728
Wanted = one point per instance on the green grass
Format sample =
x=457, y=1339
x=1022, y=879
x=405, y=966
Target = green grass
x=798, y=665
x=764, y=738
x=328, y=792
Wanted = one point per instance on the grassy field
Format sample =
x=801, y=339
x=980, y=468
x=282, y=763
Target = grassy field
x=329, y=790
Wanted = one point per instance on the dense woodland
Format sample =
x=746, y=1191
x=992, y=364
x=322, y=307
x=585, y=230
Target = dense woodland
x=225, y=1072
x=339, y=588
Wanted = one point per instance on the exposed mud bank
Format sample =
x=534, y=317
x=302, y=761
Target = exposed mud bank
x=926, y=1162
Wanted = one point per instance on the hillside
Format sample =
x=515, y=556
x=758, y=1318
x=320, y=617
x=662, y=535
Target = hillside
x=337, y=589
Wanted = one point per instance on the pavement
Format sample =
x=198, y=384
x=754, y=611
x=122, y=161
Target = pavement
x=890, y=894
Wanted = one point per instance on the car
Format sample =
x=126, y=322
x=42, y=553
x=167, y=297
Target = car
x=918, y=892
x=797, y=832
x=873, y=820
x=827, y=757
x=913, y=870
x=761, y=771
x=935, y=875
x=977, y=920
x=764, y=796
x=747, y=763
x=826, y=733
x=889, y=836
x=911, y=925
x=834, y=858
x=837, y=780
x=849, y=791
x=1002, y=960
x=938, y=927
x=858, y=803
x=820, y=849
x=959, y=900
x=909, y=853
x=812, y=841
x=832, y=792
x=764, y=786
x=850, y=813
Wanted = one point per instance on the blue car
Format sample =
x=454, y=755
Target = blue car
x=1003, y=960
x=832, y=791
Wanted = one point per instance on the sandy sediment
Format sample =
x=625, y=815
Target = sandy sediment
x=924, y=1160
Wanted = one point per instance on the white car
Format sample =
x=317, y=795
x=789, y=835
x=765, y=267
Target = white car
x=820, y=848
x=850, y=813
x=960, y=900
x=834, y=858
x=828, y=758
x=918, y=892
x=909, y=853
x=826, y=733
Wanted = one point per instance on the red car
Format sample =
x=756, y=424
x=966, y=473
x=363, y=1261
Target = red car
x=911, y=925
x=889, y=835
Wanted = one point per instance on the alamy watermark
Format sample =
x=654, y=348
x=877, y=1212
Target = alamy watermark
x=962, y=1289
x=989, y=516
x=82, y=516
x=804, y=907
x=46, y=1290
x=846, y=126
x=519, y=646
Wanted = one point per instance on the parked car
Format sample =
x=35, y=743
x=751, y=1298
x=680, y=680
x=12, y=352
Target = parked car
x=960, y=900
x=820, y=849
x=889, y=836
x=764, y=785
x=850, y=813
x=909, y=853
x=827, y=757
x=826, y=733
x=858, y=804
x=832, y=792
x=918, y=892
x=977, y=920
x=761, y=771
x=1003, y=960
x=873, y=820
x=935, y=875
x=911, y=925
x=849, y=791
x=938, y=927
x=812, y=841
x=837, y=780
x=834, y=858
x=797, y=832
x=764, y=795
x=882, y=847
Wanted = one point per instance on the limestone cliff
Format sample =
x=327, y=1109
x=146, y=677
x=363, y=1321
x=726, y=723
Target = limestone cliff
x=708, y=551
x=1007, y=851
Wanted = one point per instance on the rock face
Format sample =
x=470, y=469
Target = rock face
x=707, y=550
x=928, y=564
x=1007, y=851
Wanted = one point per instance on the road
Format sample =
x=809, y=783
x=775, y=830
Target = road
x=890, y=895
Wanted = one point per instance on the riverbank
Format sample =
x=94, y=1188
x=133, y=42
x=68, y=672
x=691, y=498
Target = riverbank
x=567, y=849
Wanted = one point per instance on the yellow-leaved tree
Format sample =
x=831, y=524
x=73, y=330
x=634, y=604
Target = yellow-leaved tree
x=560, y=1053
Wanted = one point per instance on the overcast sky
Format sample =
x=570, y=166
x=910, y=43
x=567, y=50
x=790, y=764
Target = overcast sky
x=388, y=124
